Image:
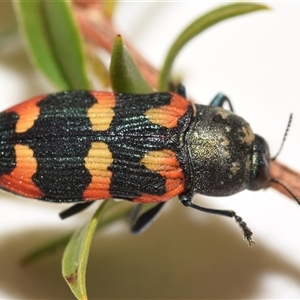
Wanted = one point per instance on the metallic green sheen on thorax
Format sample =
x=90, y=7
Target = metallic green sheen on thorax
x=220, y=145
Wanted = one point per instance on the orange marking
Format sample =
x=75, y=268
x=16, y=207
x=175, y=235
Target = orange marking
x=178, y=189
x=19, y=180
x=168, y=115
x=101, y=113
x=97, y=162
x=165, y=163
x=28, y=112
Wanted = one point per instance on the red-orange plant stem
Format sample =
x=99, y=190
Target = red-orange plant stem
x=287, y=176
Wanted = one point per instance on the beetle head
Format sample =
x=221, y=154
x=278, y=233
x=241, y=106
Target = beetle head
x=259, y=176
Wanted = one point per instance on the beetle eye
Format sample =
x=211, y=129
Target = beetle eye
x=259, y=171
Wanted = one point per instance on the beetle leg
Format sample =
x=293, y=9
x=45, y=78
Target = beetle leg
x=180, y=90
x=74, y=209
x=186, y=200
x=139, y=223
x=177, y=88
x=219, y=100
x=134, y=213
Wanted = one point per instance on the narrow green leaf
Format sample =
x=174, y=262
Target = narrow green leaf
x=125, y=77
x=54, y=42
x=76, y=254
x=62, y=241
x=209, y=19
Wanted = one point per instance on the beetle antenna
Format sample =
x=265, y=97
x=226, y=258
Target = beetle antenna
x=284, y=137
x=288, y=190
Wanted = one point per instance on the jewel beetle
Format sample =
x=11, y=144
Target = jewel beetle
x=82, y=146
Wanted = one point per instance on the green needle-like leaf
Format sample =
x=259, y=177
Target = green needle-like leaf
x=209, y=19
x=76, y=254
x=125, y=77
x=54, y=42
x=62, y=241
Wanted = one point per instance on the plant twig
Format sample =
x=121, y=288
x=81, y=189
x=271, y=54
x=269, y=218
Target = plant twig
x=286, y=176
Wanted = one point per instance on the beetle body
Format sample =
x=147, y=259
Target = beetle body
x=83, y=146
